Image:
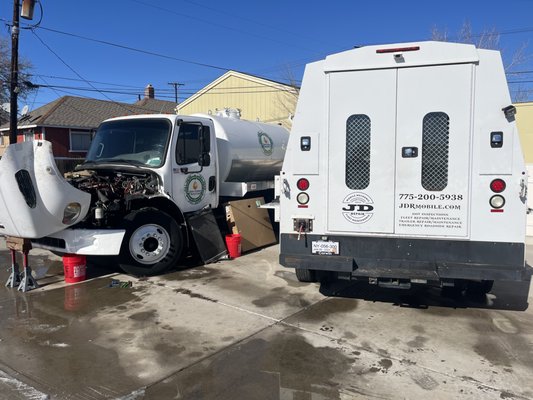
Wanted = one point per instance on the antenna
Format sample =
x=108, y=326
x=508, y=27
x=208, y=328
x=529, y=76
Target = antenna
x=25, y=110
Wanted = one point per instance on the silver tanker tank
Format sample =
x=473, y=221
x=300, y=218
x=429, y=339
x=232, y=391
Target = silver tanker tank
x=248, y=151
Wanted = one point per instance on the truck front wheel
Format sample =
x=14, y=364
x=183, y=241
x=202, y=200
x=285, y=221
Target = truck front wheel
x=153, y=242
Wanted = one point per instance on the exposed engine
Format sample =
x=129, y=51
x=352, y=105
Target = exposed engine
x=112, y=193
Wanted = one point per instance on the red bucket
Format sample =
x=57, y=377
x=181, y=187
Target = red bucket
x=74, y=267
x=233, y=243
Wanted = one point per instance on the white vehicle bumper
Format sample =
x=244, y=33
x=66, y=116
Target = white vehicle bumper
x=90, y=242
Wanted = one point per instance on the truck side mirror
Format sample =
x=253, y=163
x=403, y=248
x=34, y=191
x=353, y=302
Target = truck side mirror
x=204, y=160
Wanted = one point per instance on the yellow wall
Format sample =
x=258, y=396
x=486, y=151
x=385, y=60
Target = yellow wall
x=255, y=100
x=524, y=122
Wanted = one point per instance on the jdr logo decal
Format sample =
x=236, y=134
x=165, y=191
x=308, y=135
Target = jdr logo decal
x=358, y=208
x=266, y=143
x=194, y=188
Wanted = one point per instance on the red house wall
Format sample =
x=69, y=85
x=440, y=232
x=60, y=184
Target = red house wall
x=60, y=139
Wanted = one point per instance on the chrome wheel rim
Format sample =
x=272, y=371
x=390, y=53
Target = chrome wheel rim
x=149, y=244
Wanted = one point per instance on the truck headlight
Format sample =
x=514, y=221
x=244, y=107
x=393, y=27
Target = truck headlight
x=72, y=211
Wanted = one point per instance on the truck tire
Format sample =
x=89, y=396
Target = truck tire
x=152, y=244
x=306, y=275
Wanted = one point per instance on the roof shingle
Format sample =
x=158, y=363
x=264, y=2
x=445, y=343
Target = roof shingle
x=79, y=112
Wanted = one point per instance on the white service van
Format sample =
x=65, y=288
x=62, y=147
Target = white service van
x=404, y=166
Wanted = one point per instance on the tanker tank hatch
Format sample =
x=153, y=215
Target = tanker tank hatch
x=233, y=113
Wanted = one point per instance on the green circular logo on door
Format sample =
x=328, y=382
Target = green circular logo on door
x=194, y=188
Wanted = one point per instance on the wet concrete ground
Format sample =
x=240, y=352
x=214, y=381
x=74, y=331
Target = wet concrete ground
x=247, y=329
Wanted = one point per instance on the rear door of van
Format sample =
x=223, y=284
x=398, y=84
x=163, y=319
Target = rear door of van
x=399, y=150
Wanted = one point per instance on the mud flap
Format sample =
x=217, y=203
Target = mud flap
x=207, y=236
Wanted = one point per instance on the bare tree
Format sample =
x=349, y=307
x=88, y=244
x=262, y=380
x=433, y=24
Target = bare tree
x=490, y=39
x=5, y=73
x=288, y=98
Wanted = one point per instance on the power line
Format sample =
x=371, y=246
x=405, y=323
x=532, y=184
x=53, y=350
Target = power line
x=72, y=69
x=82, y=80
x=231, y=28
x=135, y=49
x=139, y=90
x=79, y=76
x=299, y=63
x=255, y=22
x=188, y=92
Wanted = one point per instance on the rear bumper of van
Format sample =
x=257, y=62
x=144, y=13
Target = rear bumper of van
x=406, y=258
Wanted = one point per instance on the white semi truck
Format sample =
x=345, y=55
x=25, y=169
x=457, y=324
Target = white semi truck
x=145, y=191
x=404, y=165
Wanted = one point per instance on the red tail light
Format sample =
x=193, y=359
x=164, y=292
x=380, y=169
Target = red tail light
x=398, y=49
x=302, y=184
x=497, y=185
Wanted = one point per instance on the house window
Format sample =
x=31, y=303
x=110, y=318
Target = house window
x=80, y=140
x=29, y=136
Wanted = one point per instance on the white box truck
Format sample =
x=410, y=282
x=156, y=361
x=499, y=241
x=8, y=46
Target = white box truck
x=404, y=166
x=146, y=189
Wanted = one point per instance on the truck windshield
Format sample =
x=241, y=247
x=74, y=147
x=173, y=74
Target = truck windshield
x=137, y=141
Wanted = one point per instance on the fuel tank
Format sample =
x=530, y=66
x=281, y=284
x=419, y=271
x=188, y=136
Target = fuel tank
x=248, y=151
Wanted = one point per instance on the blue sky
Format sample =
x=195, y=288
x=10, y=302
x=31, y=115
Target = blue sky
x=273, y=39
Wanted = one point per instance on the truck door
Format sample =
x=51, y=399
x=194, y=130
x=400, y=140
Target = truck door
x=399, y=148
x=194, y=182
x=361, y=153
x=433, y=150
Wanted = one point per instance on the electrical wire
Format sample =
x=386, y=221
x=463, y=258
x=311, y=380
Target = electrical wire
x=216, y=24
x=76, y=73
x=299, y=63
x=135, y=93
x=255, y=22
x=81, y=80
x=135, y=49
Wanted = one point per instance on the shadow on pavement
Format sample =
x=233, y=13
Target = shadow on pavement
x=505, y=295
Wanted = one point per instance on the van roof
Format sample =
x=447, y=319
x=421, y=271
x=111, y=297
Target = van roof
x=401, y=55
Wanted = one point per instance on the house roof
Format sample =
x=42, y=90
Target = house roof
x=253, y=78
x=79, y=112
x=157, y=106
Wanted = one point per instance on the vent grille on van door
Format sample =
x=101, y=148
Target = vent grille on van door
x=435, y=140
x=358, y=152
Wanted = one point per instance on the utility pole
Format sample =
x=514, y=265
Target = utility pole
x=176, y=85
x=14, y=74
x=27, y=12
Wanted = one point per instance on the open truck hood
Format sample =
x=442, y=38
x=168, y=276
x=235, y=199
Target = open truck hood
x=33, y=194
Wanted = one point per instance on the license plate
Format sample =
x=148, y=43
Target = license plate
x=325, y=248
